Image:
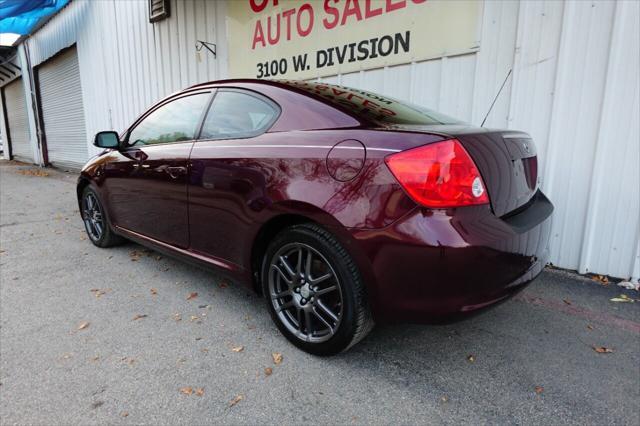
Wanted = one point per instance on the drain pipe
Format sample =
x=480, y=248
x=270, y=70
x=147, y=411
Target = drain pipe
x=43, y=159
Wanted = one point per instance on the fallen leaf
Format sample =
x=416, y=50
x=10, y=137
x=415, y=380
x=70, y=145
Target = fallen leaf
x=95, y=358
x=204, y=307
x=192, y=296
x=238, y=349
x=622, y=298
x=539, y=389
x=158, y=257
x=590, y=327
x=124, y=414
x=137, y=317
x=38, y=173
x=204, y=350
x=268, y=371
x=194, y=318
x=445, y=398
x=83, y=325
x=135, y=255
x=235, y=400
x=277, y=358
x=177, y=317
x=601, y=279
x=188, y=390
x=602, y=350
x=223, y=285
x=198, y=338
x=97, y=292
x=153, y=291
x=629, y=285
x=471, y=358
x=566, y=301
x=200, y=391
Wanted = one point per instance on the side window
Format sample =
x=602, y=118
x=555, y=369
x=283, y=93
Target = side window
x=172, y=122
x=237, y=115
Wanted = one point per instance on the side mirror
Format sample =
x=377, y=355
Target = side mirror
x=108, y=139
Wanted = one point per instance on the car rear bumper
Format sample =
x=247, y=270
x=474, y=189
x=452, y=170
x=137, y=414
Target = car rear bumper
x=435, y=266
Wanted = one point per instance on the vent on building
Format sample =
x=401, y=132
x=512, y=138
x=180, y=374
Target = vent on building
x=158, y=10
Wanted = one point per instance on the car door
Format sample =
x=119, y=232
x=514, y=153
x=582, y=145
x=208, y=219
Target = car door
x=228, y=177
x=147, y=184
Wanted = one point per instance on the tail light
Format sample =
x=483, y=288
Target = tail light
x=439, y=175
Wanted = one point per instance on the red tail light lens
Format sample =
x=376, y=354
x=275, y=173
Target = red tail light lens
x=439, y=175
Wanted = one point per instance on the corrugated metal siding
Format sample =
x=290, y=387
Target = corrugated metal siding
x=126, y=63
x=574, y=88
x=612, y=229
x=62, y=110
x=18, y=122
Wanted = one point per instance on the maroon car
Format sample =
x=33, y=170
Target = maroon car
x=341, y=206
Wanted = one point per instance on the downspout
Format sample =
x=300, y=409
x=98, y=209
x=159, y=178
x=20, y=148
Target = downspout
x=35, y=105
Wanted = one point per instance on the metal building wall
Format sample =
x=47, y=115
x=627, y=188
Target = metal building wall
x=126, y=63
x=575, y=88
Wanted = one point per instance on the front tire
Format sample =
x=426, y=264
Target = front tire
x=95, y=220
x=314, y=291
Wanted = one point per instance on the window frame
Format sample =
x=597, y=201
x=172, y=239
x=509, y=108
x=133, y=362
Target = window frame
x=274, y=105
x=211, y=92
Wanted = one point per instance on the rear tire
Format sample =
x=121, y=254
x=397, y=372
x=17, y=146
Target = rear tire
x=314, y=291
x=96, y=222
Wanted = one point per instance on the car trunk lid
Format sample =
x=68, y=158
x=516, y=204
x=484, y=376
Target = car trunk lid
x=506, y=159
x=508, y=164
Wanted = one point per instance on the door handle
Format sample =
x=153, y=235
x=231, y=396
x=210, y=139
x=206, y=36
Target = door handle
x=175, y=172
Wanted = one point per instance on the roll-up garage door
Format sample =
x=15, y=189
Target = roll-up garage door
x=62, y=111
x=18, y=121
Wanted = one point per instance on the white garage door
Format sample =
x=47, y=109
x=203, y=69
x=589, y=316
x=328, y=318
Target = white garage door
x=17, y=121
x=62, y=111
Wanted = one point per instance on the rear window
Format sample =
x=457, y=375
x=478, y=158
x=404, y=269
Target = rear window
x=372, y=106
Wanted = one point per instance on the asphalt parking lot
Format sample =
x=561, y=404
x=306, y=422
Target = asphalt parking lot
x=128, y=336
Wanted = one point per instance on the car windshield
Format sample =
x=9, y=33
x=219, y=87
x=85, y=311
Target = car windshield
x=372, y=106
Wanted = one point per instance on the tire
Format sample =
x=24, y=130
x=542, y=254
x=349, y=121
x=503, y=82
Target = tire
x=92, y=213
x=300, y=267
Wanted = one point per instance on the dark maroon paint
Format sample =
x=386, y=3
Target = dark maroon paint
x=219, y=202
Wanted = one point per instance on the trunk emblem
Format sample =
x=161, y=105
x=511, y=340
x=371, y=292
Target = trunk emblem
x=476, y=187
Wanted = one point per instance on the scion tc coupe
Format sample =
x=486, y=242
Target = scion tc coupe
x=342, y=207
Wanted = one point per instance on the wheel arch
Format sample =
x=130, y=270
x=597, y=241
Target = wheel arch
x=294, y=213
x=83, y=182
x=266, y=233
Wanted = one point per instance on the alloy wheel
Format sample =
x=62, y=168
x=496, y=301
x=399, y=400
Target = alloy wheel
x=305, y=292
x=92, y=216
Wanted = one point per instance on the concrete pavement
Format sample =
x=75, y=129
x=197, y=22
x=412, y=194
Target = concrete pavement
x=146, y=342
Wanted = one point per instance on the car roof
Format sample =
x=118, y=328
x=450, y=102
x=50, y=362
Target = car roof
x=238, y=82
